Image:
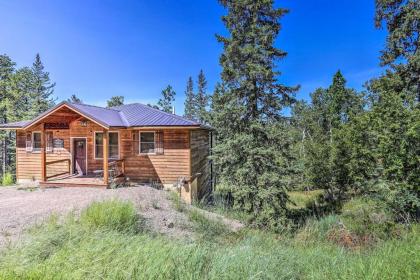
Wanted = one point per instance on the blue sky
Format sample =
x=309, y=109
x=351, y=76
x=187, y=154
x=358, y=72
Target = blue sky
x=97, y=49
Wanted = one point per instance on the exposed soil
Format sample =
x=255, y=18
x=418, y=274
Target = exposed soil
x=20, y=209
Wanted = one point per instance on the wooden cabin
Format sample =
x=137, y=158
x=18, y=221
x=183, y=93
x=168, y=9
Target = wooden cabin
x=83, y=145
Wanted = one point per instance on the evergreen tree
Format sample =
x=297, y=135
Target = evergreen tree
x=201, y=99
x=21, y=100
x=115, y=101
x=153, y=106
x=74, y=99
x=326, y=151
x=252, y=145
x=7, y=68
x=19, y=107
x=167, y=99
x=401, y=19
x=43, y=88
x=189, y=104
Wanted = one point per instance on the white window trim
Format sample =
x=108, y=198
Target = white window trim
x=94, y=145
x=154, y=139
x=34, y=150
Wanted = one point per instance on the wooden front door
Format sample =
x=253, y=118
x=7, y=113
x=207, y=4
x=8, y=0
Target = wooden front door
x=79, y=156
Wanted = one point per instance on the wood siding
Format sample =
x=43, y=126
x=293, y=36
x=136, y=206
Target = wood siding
x=29, y=163
x=200, y=162
x=165, y=168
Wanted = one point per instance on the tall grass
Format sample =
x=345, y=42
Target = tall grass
x=80, y=249
x=301, y=199
x=207, y=229
x=113, y=215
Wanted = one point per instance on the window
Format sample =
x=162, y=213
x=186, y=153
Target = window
x=147, y=142
x=99, y=145
x=113, y=145
x=49, y=147
x=36, y=141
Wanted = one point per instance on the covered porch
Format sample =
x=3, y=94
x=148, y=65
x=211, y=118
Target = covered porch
x=63, y=139
x=115, y=173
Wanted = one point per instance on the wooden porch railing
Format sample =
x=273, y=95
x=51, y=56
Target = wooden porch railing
x=59, y=161
x=117, y=168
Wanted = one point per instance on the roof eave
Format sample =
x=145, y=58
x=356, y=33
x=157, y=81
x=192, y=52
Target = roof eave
x=165, y=126
x=10, y=127
x=68, y=105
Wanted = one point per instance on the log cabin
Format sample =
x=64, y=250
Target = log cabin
x=84, y=145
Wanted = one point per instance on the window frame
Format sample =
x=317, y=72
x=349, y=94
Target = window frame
x=36, y=150
x=94, y=145
x=154, y=142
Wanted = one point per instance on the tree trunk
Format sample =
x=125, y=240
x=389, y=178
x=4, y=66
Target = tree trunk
x=4, y=155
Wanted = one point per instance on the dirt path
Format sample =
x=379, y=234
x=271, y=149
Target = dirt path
x=20, y=209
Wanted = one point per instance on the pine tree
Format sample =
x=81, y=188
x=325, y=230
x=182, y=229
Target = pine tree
x=74, y=99
x=43, y=88
x=251, y=154
x=115, y=101
x=401, y=19
x=20, y=102
x=19, y=106
x=7, y=68
x=201, y=99
x=327, y=151
x=189, y=104
x=167, y=99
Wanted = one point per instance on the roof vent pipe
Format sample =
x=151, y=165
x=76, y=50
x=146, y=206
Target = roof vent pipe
x=173, y=110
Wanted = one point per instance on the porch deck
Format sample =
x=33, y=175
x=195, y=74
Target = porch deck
x=74, y=181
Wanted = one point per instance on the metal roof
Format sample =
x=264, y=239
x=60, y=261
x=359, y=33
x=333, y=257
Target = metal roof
x=14, y=124
x=129, y=115
x=142, y=115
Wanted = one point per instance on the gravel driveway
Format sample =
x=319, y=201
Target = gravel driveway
x=22, y=208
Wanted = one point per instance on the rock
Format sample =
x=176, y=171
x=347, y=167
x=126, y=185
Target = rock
x=170, y=225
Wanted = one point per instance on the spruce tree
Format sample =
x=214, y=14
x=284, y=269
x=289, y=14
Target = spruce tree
x=201, y=99
x=401, y=20
x=74, y=99
x=167, y=99
x=115, y=101
x=327, y=153
x=252, y=152
x=7, y=68
x=19, y=106
x=21, y=102
x=189, y=104
x=43, y=88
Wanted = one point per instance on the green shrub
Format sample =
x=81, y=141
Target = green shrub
x=8, y=179
x=111, y=215
x=370, y=219
x=363, y=222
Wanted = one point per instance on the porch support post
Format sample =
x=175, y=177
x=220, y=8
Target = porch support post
x=105, y=155
x=43, y=155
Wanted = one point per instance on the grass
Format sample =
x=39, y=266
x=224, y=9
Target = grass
x=95, y=247
x=177, y=203
x=207, y=229
x=111, y=215
x=302, y=198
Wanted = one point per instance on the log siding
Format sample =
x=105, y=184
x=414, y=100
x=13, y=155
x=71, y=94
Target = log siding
x=165, y=168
